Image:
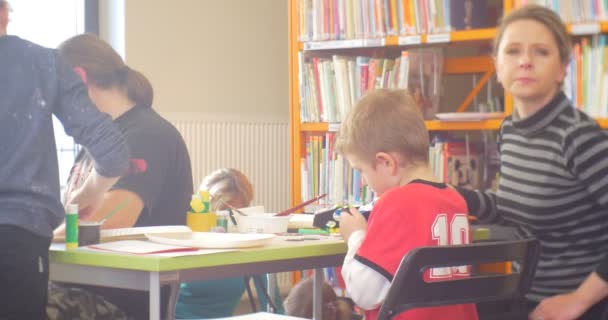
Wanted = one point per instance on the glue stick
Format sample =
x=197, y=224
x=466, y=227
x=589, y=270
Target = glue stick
x=71, y=226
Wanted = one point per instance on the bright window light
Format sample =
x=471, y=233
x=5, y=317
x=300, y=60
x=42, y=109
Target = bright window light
x=48, y=23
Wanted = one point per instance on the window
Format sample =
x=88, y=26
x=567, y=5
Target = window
x=48, y=23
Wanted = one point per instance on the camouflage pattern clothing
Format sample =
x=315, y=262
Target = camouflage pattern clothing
x=69, y=303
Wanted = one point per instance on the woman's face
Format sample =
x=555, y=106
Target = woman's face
x=528, y=63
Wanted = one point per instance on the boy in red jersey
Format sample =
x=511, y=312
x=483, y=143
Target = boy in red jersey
x=385, y=138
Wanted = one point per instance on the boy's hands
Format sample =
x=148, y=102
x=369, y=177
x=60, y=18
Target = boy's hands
x=352, y=222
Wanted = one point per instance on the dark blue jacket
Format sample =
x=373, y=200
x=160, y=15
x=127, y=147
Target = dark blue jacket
x=34, y=85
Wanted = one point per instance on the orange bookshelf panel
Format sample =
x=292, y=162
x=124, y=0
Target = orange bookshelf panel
x=461, y=65
x=603, y=122
x=391, y=41
x=437, y=125
x=470, y=35
x=314, y=127
x=432, y=125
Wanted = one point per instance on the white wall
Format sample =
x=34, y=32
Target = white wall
x=212, y=56
x=213, y=60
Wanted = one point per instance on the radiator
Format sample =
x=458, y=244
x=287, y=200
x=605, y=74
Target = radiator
x=260, y=149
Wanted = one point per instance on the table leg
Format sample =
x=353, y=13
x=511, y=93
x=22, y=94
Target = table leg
x=154, y=296
x=317, y=294
x=172, y=300
x=271, y=279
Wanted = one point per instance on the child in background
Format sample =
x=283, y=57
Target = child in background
x=299, y=302
x=385, y=138
x=219, y=298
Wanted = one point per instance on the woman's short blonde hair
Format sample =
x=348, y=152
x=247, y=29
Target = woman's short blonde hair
x=384, y=121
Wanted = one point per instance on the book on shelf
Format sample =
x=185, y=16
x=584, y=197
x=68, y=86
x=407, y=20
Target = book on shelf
x=573, y=11
x=457, y=163
x=586, y=72
x=324, y=171
x=321, y=20
x=469, y=14
x=329, y=88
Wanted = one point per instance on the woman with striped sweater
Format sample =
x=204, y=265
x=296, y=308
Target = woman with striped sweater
x=554, y=169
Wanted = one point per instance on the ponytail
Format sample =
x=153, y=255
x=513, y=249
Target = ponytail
x=105, y=67
x=139, y=89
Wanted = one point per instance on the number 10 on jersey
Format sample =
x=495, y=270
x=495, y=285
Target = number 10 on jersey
x=450, y=233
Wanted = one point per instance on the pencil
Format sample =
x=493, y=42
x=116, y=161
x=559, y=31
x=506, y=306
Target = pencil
x=118, y=208
x=301, y=205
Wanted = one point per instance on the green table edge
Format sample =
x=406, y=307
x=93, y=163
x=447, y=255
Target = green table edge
x=159, y=264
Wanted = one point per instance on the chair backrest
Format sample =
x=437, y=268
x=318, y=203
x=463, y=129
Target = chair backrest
x=409, y=290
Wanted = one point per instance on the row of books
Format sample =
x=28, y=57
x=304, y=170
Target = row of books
x=363, y=19
x=454, y=161
x=586, y=82
x=329, y=88
x=574, y=11
x=325, y=171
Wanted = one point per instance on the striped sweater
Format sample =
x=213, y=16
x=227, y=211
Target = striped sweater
x=554, y=187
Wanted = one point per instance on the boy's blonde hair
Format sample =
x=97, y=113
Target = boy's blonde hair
x=384, y=121
x=229, y=186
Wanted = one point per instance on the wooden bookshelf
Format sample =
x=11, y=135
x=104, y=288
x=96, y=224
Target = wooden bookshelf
x=392, y=41
x=431, y=125
x=602, y=122
x=300, y=130
x=483, y=65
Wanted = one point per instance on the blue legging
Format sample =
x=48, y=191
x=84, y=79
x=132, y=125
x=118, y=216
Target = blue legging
x=216, y=298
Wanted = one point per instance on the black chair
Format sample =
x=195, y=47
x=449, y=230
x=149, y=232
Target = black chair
x=409, y=290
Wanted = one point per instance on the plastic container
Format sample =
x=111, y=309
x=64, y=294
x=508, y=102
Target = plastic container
x=262, y=223
x=222, y=220
x=88, y=232
x=201, y=222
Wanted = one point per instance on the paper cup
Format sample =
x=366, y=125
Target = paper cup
x=262, y=223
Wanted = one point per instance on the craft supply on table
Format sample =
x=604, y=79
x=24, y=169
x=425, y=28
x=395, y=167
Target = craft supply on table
x=71, y=226
x=199, y=218
x=89, y=232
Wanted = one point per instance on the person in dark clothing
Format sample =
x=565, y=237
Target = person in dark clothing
x=586, y=298
x=158, y=186
x=36, y=84
x=553, y=164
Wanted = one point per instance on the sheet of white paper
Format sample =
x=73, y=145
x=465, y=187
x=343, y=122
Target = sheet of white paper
x=191, y=253
x=139, y=247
